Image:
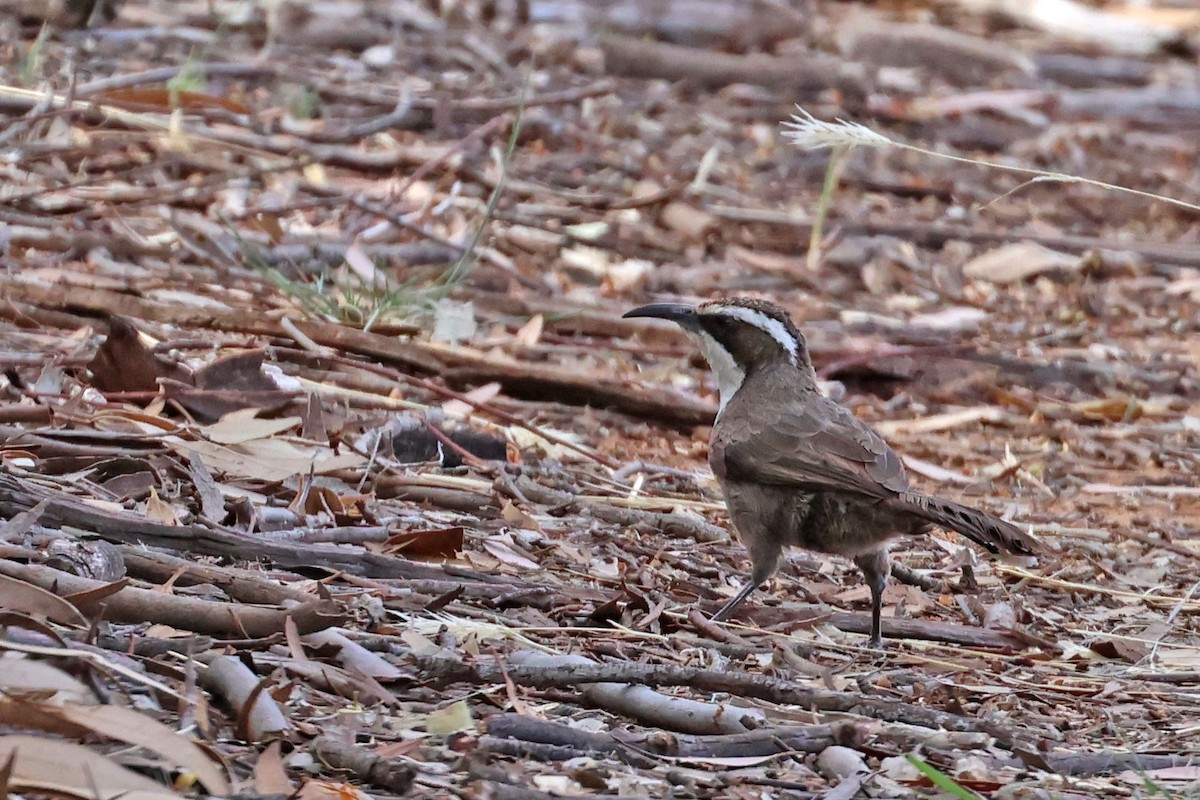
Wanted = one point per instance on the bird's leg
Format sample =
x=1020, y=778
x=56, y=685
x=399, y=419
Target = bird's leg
x=874, y=566
x=728, y=608
x=764, y=558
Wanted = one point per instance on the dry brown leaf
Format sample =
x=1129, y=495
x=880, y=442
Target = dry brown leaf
x=529, y=333
x=270, y=777
x=517, y=518
x=508, y=555
x=238, y=427
x=88, y=602
x=51, y=765
x=158, y=510
x=164, y=99
x=125, y=364
x=18, y=596
x=20, y=676
x=438, y=544
x=480, y=394
x=451, y=719
x=268, y=459
x=1014, y=263
x=132, y=727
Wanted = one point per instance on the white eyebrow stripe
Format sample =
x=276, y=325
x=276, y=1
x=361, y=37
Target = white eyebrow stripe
x=769, y=325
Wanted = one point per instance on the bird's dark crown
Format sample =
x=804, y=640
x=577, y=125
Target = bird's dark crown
x=754, y=332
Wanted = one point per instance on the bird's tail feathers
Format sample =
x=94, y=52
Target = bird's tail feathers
x=991, y=533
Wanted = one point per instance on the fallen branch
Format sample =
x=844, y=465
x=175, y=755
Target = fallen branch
x=391, y=774
x=131, y=604
x=65, y=511
x=638, y=744
x=638, y=58
x=443, y=670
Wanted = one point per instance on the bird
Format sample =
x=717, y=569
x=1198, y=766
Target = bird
x=796, y=468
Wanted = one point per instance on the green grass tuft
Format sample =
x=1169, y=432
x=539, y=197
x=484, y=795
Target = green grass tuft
x=941, y=779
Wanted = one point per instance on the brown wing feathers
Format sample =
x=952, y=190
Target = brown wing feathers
x=823, y=447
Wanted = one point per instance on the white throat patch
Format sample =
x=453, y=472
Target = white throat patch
x=768, y=325
x=729, y=375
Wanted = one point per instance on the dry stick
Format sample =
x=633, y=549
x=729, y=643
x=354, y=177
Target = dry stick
x=444, y=670
x=259, y=716
x=362, y=94
x=64, y=510
x=1101, y=763
x=433, y=163
x=1178, y=549
x=761, y=742
x=131, y=604
x=1163, y=677
x=399, y=117
x=164, y=74
x=560, y=97
x=669, y=523
x=645, y=704
x=242, y=585
x=637, y=58
x=391, y=774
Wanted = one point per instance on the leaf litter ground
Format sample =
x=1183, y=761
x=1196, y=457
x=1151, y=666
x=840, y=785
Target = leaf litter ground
x=285, y=513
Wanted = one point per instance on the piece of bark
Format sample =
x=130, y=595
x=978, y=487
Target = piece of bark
x=648, y=706
x=441, y=670
x=637, y=58
x=353, y=657
x=131, y=604
x=97, y=560
x=1088, y=71
x=229, y=679
x=759, y=742
x=958, y=58
x=127, y=528
x=390, y=774
x=1074, y=21
x=243, y=585
x=667, y=523
x=739, y=24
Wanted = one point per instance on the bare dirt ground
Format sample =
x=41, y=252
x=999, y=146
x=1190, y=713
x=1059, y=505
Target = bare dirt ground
x=329, y=466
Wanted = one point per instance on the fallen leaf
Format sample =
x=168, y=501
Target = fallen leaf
x=270, y=778
x=238, y=427
x=42, y=764
x=18, y=596
x=451, y=719
x=125, y=364
x=1014, y=263
x=157, y=510
x=20, y=676
x=480, y=394
x=329, y=790
x=508, y=555
x=439, y=543
x=529, y=333
x=517, y=518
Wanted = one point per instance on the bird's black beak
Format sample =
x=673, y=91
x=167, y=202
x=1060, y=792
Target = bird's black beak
x=684, y=315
